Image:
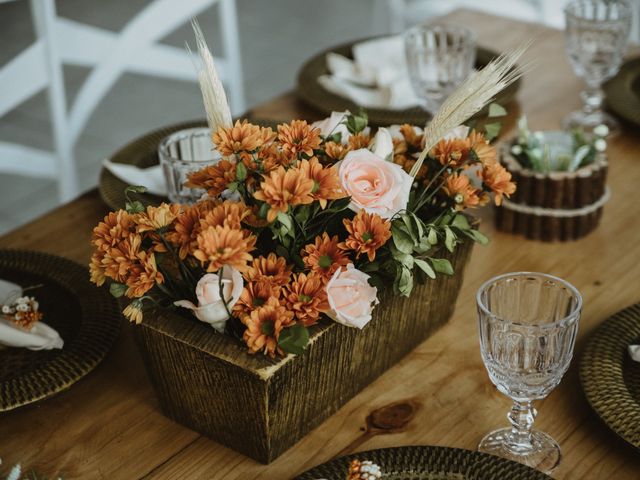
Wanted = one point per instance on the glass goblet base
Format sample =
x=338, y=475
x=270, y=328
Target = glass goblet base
x=544, y=453
x=588, y=121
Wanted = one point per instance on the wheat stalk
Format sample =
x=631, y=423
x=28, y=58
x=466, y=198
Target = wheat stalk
x=470, y=97
x=213, y=94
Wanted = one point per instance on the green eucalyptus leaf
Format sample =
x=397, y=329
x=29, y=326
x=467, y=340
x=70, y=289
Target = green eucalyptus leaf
x=294, y=339
x=402, y=239
x=442, y=265
x=134, y=207
x=117, y=289
x=263, y=211
x=461, y=222
x=233, y=186
x=432, y=237
x=492, y=130
x=425, y=267
x=449, y=239
x=286, y=221
x=496, y=110
x=282, y=252
x=241, y=172
x=476, y=236
x=405, y=282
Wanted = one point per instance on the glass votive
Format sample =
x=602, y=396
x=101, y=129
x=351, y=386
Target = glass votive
x=182, y=153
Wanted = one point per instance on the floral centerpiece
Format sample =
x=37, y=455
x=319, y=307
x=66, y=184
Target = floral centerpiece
x=306, y=220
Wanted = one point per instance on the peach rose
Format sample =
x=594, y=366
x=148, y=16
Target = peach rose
x=351, y=298
x=211, y=308
x=375, y=185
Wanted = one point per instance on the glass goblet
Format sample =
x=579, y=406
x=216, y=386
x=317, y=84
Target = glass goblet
x=184, y=152
x=528, y=324
x=439, y=58
x=596, y=35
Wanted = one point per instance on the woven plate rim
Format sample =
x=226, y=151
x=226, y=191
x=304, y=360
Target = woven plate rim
x=311, y=92
x=400, y=461
x=100, y=328
x=602, y=374
x=620, y=98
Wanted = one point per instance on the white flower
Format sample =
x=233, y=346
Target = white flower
x=211, y=307
x=351, y=298
x=600, y=144
x=383, y=144
x=333, y=124
x=461, y=131
x=601, y=130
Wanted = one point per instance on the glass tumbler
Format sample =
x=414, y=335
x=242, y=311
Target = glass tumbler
x=528, y=324
x=439, y=58
x=182, y=153
x=596, y=36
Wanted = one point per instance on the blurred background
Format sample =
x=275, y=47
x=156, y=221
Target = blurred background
x=116, y=70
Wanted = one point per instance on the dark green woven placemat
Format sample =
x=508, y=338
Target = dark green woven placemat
x=86, y=317
x=428, y=463
x=311, y=92
x=610, y=379
x=622, y=92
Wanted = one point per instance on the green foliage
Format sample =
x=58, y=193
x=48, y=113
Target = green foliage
x=356, y=123
x=133, y=206
x=117, y=289
x=294, y=339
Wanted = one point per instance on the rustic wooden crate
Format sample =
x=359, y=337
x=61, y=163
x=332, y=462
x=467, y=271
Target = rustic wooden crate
x=261, y=407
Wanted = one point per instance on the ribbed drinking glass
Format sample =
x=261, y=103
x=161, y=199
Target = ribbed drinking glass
x=528, y=324
x=439, y=58
x=596, y=39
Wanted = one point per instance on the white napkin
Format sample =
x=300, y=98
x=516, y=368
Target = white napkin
x=634, y=352
x=377, y=77
x=151, y=177
x=40, y=337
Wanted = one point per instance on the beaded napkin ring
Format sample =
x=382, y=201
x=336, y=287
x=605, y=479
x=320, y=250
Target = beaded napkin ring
x=22, y=312
x=364, y=470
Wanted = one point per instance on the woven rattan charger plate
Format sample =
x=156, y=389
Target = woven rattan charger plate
x=314, y=94
x=610, y=379
x=87, y=318
x=623, y=91
x=429, y=463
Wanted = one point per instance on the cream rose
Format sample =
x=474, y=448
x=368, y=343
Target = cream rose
x=375, y=185
x=351, y=298
x=211, y=308
x=383, y=144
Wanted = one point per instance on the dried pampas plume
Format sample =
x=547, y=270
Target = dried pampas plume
x=470, y=97
x=213, y=94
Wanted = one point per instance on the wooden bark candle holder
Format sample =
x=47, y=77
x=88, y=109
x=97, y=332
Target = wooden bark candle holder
x=556, y=205
x=261, y=406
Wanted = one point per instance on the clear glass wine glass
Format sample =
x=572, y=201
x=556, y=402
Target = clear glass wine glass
x=528, y=324
x=596, y=38
x=439, y=58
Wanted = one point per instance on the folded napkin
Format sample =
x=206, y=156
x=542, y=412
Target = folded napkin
x=377, y=77
x=40, y=337
x=151, y=177
x=634, y=352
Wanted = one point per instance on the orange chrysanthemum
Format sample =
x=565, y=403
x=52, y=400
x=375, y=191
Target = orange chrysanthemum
x=243, y=137
x=272, y=268
x=214, y=178
x=143, y=275
x=367, y=233
x=462, y=192
x=254, y=295
x=186, y=229
x=223, y=245
x=284, y=188
x=157, y=218
x=335, y=151
x=299, y=137
x=115, y=227
x=454, y=152
x=96, y=270
x=498, y=179
x=118, y=260
x=359, y=140
x=326, y=182
x=264, y=326
x=306, y=297
x=324, y=256
x=226, y=213
x=485, y=152
x=407, y=164
x=413, y=138
x=272, y=156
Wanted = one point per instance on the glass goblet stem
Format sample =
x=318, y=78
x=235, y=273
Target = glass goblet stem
x=521, y=417
x=592, y=98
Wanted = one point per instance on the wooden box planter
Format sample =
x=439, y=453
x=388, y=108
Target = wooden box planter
x=553, y=206
x=261, y=407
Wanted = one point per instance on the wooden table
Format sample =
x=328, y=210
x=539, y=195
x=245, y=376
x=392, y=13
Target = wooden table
x=109, y=425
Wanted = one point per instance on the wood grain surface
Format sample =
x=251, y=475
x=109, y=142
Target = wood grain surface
x=109, y=425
